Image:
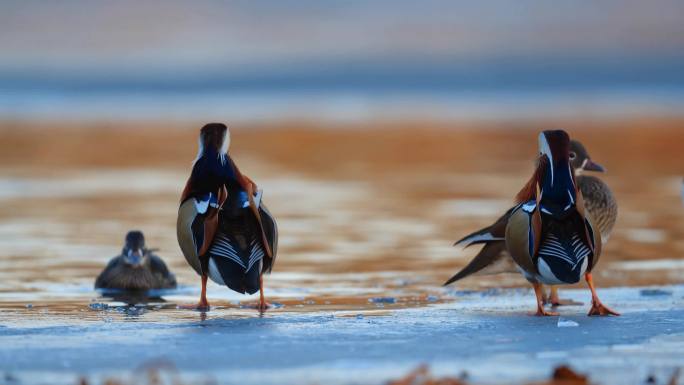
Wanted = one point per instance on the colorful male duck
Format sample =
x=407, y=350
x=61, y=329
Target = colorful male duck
x=224, y=230
x=136, y=268
x=547, y=234
x=598, y=200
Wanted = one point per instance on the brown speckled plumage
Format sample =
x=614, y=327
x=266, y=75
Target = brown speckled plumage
x=151, y=274
x=599, y=202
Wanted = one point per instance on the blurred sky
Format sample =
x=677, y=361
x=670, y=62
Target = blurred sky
x=66, y=49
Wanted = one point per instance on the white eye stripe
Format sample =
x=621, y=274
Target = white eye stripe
x=545, y=149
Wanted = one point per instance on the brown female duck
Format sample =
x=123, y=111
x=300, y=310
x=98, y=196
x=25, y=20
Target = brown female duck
x=136, y=268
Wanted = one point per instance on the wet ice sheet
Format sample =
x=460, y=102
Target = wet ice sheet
x=488, y=334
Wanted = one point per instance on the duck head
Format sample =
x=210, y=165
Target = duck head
x=580, y=159
x=214, y=138
x=556, y=181
x=134, y=251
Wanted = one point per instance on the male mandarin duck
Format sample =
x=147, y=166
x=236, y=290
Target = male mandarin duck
x=136, y=268
x=547, y=235
x=598, y=200
x=224, y=230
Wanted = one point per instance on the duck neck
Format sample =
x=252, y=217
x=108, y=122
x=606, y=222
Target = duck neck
x=558, y=192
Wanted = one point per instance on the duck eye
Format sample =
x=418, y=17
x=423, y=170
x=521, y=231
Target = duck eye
x=572, y=155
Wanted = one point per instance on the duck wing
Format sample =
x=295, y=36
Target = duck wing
x=600, y=203
x=492, y=233
x=167, y=280
x=523, y=236
x=591, y=235
x=270, y=228
x=102, y=280
x=493, y=258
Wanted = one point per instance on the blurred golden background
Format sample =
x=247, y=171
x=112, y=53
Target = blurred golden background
x=381, y=132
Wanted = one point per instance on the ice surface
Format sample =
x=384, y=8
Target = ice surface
x=492, y=337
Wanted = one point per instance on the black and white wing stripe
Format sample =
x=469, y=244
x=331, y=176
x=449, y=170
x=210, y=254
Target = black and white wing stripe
x=256, y=253
x=222, y=247
x=236, y=260
x=562, y=261
x=572, y=253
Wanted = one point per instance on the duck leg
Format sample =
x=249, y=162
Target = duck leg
x=597, y=308
x=263, y=305
x=203, y=304
x=555, y=300
x=539, y=292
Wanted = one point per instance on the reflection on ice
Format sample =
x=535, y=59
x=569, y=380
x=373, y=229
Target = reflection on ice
x=654, y=264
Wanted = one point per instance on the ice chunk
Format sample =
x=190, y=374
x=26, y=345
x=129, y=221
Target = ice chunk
x=566, y=323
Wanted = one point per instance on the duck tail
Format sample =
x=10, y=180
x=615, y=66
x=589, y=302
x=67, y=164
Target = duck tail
x=492, y=233
x=480, y=236
x=486, y=257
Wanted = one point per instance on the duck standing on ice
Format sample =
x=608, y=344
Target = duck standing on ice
x=600, y=204
x=136, y=268
x=548, y=235
x=224, y=230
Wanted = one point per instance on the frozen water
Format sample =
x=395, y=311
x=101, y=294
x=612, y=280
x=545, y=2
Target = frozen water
x=566, y=323
x=492, y=338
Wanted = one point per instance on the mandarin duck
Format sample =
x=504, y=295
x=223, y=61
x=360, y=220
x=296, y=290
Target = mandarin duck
x=224, y=229
x=598, y=200
x=558, y=230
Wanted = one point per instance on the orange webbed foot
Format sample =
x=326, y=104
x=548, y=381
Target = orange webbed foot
x=541, y=299
x=264, y=305
x=260, y=306
x=599, y=309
